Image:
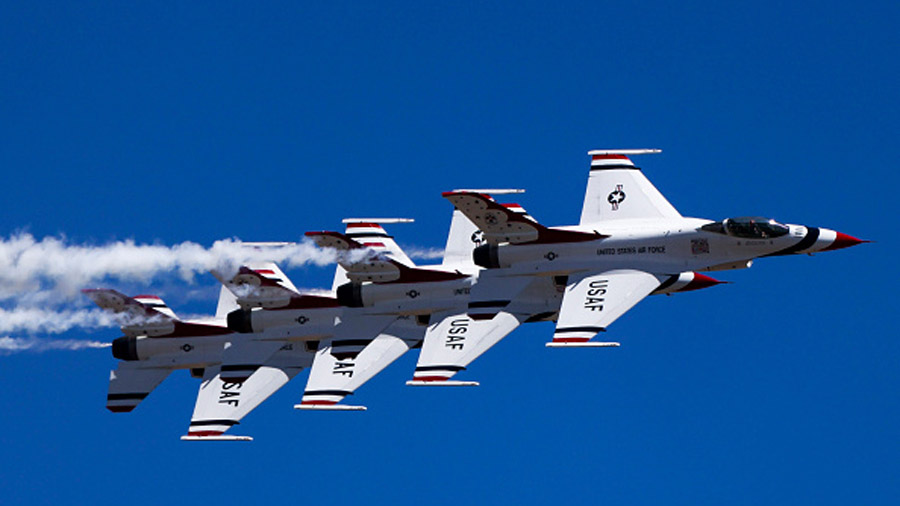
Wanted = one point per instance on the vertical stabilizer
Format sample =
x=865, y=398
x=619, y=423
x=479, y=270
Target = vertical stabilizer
x=464, y=236
x=340, y=277
x=227, y=302
x=370, y=233
x=618, y=190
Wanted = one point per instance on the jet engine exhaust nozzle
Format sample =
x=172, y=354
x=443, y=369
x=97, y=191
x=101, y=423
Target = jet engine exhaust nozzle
x=125, y=348
x=239, y=320
x=350, y=295
x=487, y=256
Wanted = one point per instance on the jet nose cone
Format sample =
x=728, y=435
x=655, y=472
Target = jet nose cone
x=701, y=281
x=844, y=241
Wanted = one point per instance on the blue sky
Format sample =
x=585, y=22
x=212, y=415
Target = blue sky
x=168, y=122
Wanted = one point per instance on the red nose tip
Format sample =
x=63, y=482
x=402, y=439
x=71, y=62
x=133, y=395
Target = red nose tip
x=843, y=241
x=700, y=281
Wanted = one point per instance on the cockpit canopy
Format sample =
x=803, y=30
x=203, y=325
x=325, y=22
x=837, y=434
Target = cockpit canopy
x=748, y=227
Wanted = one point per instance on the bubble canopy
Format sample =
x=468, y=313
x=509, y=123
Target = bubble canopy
x=748, y=227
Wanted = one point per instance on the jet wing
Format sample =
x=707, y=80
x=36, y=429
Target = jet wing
x=591, y=302
x=343, y=365
x=497, y=305
x=129, y=384
x=617, y=190
x=223, y=404
x=454, y=342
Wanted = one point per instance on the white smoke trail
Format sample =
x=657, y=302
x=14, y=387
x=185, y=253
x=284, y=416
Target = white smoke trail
x=19, y=344
x=425, y=253
x=52, y=270
x=37, y=320
x=41, y=279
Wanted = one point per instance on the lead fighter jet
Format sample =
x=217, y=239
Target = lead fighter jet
x=629, y=242
x=456, y=333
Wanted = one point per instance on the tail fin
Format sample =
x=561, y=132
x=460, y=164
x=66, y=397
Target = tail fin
x=273, y=272
x=340, y=277
x=370, y=234
x=365, y=233
x=462, y=239
x=464, y=235
x=227, y=302
x=262, y=285
x=617, y=190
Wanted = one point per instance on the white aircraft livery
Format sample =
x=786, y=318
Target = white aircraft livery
x=501, y=268
x=629, y=242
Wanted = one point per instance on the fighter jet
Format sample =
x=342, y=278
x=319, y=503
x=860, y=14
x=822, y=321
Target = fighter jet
x=272, y=313
x=456, y=333
x=375, y=276
x=157, y=342
x=629, y=242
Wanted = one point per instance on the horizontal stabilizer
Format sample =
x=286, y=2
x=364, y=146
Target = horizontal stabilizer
x=216, y=438
x=147, y=306
x=589, y=344
x=329, y=407
x=500, y=223
x=445, y=383
x=380, y=263
x=264, y=286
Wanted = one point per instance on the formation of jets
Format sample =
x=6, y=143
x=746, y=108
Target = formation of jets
x=501, y=268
